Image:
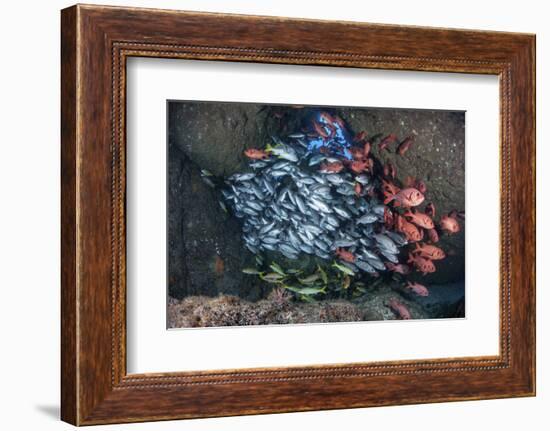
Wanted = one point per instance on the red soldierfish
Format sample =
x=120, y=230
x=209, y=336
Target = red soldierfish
x=390, y=139
x=421, y=186
x=410, y=230
x=430, y=210
x=433, y=235
x=389, y=170
x=405, y=145
x=388, y=218
x=360, y=137
x=449, y=224
x=326, y=117
x=407, y=197
x=345, y=255
x=399, y=309
x=423, y=265
x=420, y=219
x=418, y=288
x=370, y=164
x=358, y=189
x=390, y=187
x=359, y=166
x=320, y=130
x=429, y=251
x=339, y=121
x=399, y=268
x=417, y=184
x=357, y=153
x=332, y=167
x=366, y=149
x=253, y=153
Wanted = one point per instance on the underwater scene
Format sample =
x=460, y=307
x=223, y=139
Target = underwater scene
x=285, y=214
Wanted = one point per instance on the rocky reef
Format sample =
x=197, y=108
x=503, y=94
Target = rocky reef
x=228, y=310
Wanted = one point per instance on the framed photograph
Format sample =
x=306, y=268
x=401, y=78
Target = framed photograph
x=260, y=217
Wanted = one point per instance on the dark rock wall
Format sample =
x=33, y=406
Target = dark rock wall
x=205, y=252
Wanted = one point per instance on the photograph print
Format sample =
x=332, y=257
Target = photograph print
x=286, y=214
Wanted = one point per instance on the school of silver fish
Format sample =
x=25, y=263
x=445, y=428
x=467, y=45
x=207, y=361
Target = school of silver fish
x=295, y=200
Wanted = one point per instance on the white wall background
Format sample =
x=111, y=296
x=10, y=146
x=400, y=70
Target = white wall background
x=29, y=214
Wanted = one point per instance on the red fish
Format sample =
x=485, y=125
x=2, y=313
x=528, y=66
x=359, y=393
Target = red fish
x=370, y=164
x=345, y=255
x=358, y=189
x=457, y=214
x=399, y=268
x=449, y=224
x=399, y=309
x=389, y=219
x=409, y=197
x=430, y=210
x=389, y=170
x=420, y=219
x=410, y=230
x=421, y=186
x=366, y=148
x=390, y=187
x=390, y=139
x=357, y=153
x=359, y=166
x=417, y=184
x=360, y=137
x=320, y=130
x=331, y=128
x=423, y=265
x=326, y=117
x=418, y=288
x=429, y=251
x=332, y=167
x=339, y=121
x=405, y=145
x=433, y=235
x=255, y=154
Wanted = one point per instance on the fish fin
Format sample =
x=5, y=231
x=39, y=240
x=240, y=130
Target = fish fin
x=389, y=199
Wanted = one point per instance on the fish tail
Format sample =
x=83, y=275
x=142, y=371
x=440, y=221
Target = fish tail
x=389, y=199
x=269, y=148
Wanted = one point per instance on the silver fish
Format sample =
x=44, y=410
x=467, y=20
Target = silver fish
x=341, y=212
x=386, y=243
x=319, y=204
x=243, y=177
x=315, y=160
x=367, y=219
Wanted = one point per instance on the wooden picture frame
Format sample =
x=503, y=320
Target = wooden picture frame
x=95, y=43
